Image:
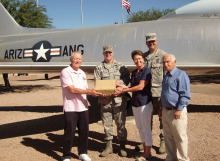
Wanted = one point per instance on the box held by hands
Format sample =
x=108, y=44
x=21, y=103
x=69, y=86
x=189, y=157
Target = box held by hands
x=105, y=86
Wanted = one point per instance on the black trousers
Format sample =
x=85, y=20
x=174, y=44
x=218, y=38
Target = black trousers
x=81, y=121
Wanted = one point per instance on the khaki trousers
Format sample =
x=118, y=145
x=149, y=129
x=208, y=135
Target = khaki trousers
x=117, y=112
x=175, y=134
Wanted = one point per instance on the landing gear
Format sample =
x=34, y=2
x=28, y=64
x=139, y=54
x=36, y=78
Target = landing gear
x=46, y=76
x=7, y=83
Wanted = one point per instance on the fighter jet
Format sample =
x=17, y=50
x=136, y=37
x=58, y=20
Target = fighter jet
x=191, y=33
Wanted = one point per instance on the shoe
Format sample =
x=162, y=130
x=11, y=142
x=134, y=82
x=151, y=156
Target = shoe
x=140, y=159
x=122, y=152
x=149, y=157
x=139, y=147
x=84, y=157
x=143, y=159
x=66, y=158
x=162, y=147
x=108, y=149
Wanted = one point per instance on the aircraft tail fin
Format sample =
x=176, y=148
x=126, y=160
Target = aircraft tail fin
x=8, y=26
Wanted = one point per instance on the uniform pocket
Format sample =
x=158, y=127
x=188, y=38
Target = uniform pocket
x=157, y=74
x=117, y=75
x=105, y=76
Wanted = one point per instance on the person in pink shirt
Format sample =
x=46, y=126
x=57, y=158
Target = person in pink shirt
x=75, y=88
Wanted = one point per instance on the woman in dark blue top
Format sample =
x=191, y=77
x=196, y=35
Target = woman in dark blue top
x=141, y=101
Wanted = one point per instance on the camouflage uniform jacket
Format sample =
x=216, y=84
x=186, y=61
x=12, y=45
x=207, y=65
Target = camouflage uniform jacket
x=155, y=63
x=115, y=71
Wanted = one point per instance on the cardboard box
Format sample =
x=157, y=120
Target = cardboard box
x=105, y=86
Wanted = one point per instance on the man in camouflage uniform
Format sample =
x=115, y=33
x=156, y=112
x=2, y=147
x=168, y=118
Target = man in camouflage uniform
x=154, y=61
x=113, y=107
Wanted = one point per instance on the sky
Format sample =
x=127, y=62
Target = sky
x=66, y=14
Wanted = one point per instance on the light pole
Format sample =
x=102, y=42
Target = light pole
x=81, y=14
x=122, y=13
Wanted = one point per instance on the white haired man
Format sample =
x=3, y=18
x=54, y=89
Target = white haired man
x=175, y=97
x=75, y=88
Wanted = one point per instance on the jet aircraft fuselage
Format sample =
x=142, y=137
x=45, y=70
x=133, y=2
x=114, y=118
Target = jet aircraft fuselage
x=193, y=38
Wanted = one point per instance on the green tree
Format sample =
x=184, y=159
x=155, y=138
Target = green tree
x=27, y=14
x=148, y=15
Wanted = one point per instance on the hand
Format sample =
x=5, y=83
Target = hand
x=121, y=85
x=177, y=114
x=119, y=89
x=93, y=92
x=117, y=92
x=117, y=83
x=104, y=95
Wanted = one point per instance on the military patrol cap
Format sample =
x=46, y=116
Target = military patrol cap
x=151, y=37
x=107, y=48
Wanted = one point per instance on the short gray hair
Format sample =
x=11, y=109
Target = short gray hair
x=73, y=53
x=173, y=58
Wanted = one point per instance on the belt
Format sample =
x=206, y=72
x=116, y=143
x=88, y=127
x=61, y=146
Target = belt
x=170, y=108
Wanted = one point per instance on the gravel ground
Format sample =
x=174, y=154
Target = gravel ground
x=31, y=121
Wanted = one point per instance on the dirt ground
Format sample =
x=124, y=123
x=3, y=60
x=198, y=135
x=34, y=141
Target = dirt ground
x=31, y=121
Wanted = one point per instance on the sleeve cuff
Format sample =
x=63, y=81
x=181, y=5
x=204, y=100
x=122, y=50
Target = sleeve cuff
x=180, y=108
